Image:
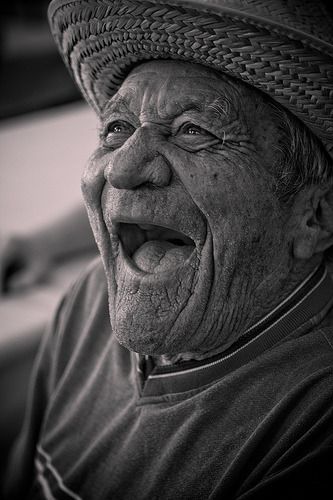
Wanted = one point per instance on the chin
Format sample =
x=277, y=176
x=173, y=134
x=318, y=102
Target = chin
x=154, y=343
x=152, y=319
x=141, y=326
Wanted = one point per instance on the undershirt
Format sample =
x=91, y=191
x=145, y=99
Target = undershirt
x=253, y=422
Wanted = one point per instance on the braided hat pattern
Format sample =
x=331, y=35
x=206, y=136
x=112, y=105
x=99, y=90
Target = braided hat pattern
x=281, y=47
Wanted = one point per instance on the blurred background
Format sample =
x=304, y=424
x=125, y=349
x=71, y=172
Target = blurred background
x=46, y=136
x=33, y=75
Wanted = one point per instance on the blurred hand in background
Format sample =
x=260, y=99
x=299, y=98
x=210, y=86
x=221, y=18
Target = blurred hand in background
x=28, y=259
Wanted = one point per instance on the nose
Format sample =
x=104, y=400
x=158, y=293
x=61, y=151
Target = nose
x=139, y=162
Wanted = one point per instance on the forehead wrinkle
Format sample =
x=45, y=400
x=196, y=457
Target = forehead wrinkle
x=163, y=105
x=169, y=108
x=116, y=103
x=202, y=99
x=165, y=102
x=123, y=99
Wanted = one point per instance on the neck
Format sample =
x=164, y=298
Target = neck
x=296, y=277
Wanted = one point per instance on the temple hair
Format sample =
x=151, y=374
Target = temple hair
x=303, y=160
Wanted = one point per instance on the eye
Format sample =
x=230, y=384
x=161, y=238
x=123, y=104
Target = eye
x=192, y=137
x=191, y=129
x=118, y=127
x=117, y=133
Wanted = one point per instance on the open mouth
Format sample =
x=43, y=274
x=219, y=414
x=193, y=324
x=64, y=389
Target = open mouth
x=154, y=248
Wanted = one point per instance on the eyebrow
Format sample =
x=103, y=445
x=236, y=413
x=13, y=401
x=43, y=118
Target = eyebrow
x=190, y=105
x=220, y=105
x=116, y=103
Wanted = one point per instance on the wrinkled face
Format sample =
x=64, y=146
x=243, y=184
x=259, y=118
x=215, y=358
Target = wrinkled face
x=181, y=202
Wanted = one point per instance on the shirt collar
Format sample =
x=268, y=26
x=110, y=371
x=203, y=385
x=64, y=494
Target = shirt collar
x=308, y=299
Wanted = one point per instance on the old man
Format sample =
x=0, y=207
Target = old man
x=201, y=367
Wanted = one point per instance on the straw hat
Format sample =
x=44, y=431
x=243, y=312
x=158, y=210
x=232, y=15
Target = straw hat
x=282, y=47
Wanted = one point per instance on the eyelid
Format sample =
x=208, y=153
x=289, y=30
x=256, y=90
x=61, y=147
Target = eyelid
x=194, y=126
x=204, y=136
x=114, y=116
x=189, y=119
x=193, y=143
x=105, y=129
x=114, y=123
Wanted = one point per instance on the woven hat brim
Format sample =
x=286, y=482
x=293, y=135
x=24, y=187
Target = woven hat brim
x=101, y=40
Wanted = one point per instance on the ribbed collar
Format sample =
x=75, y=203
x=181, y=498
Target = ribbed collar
x=307, y=300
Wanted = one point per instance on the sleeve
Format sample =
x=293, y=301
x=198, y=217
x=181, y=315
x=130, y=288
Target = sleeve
x=19, y=473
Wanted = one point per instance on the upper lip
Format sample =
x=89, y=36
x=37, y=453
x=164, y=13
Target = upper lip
x=133, y=233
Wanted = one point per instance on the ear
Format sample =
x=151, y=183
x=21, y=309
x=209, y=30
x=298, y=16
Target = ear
x=314, y=222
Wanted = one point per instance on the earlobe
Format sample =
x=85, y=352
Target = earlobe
x=315, y=223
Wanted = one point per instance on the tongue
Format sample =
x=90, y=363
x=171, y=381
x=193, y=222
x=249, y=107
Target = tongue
x=158, y=256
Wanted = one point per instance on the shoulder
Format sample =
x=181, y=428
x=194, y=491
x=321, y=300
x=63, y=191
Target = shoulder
x=81, y=323
x=326, y=332
x=90, y=285
x=310, y=356
x=87, y=293
x=87, y=298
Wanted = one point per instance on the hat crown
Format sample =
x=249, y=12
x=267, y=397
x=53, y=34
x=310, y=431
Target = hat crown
x=311, y=17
